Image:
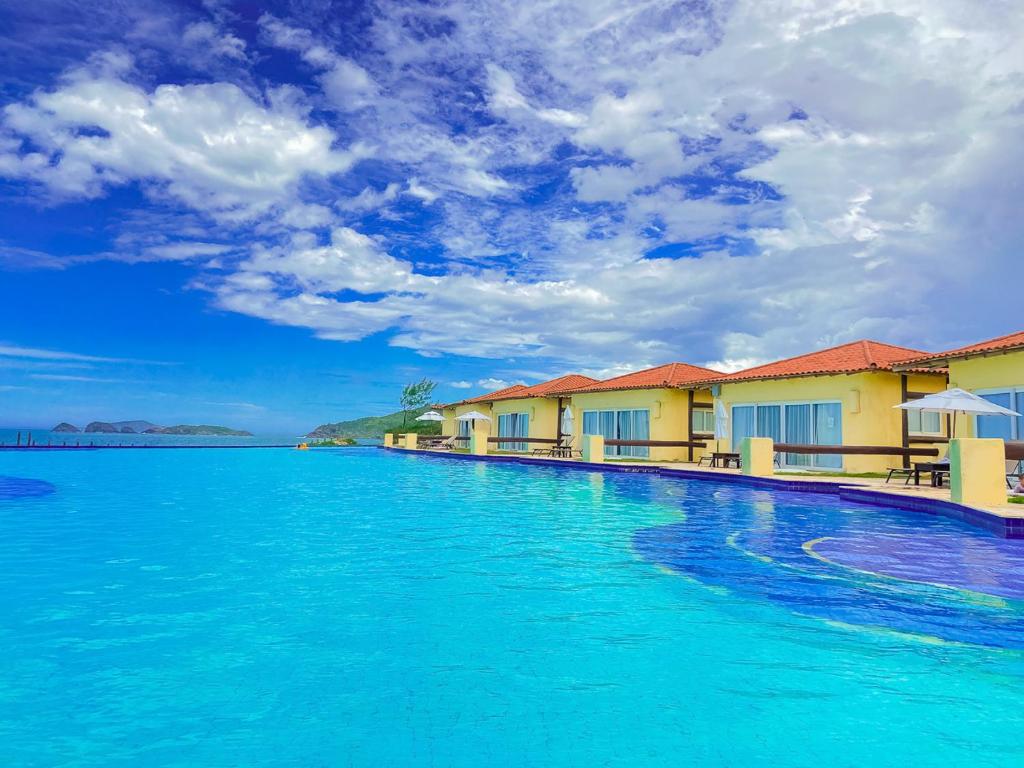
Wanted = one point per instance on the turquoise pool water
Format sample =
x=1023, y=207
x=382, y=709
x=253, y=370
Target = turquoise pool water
x=358, y=607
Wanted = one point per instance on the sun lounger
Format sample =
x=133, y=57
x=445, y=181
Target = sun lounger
x=1014, y=469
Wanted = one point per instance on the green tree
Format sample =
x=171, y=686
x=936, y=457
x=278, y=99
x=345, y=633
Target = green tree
x=416, y=397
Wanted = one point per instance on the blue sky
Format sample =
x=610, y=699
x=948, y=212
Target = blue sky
x=273, y=215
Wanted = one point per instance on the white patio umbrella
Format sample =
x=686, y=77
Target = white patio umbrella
x=430, y=416
x=472, y=416
x=956, y=401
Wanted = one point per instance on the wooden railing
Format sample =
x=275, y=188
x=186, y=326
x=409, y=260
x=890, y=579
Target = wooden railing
x=657, y=443
x=1015, y=450
x=854, y=450
x=538, y=440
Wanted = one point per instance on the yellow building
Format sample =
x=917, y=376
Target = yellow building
x=482, y=403
x=533, y=413
x=993, y=369
x=657, y=404
x=844, y=395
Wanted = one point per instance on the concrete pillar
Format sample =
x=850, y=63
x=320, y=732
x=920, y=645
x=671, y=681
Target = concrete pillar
x=977, y=471
x=756, y=456
x=478, y=438
x=389, y=440
x=593, y=448
x=410, y=441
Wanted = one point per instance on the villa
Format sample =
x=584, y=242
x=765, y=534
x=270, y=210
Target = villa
x=533, y=413
x=993, y=369
x=661, y=404
x=843, y=395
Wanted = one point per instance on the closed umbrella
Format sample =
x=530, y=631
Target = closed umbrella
x=956, y=401
x=721, y=421
x=567, y=421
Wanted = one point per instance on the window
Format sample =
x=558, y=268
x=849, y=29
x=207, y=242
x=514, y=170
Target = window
x=620, y=425
x=463, y=428
x=513, y=425
x=921, y=423
x=703, y=421
x=1006, y=427
x=796, y=423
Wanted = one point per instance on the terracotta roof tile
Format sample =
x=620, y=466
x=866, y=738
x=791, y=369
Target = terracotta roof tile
x=999, y=344
x=498, y=394
x=668, y=375
x=518, y=391
x=855, y=357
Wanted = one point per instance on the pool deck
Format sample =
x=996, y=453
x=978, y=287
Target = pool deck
x=1005, y=520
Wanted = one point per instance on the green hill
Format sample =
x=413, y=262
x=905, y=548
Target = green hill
x=198, y=429
x=376, y=426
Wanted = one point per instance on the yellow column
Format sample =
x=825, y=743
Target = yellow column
x=756, y=455
x=389, y=440
x=478, y=438
x=977, y=471
x=410, y=441
x=593, y=448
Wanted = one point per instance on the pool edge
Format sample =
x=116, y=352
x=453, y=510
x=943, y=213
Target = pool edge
x=1004, y=527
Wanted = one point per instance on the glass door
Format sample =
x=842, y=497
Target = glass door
x=828, y=430
x=799, y=430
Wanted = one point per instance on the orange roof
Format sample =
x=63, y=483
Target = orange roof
x=855, y=357
x=668, y=375
x=498, y=394
x=1010, y=341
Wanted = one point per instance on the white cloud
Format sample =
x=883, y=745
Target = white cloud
x=460, y=384
x=73, y=378
x=829, y=170
x=210, y=146
x=493, y=384
x=205, y=37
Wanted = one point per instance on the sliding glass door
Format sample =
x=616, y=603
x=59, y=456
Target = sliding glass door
x=633, y=424
x=795, y=423
x=514, y=425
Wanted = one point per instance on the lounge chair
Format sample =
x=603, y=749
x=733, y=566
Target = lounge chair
x=441, y=444
x=1014, y=469
x=565, y=449
x=904, y=472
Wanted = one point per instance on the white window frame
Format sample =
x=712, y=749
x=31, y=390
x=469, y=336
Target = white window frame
x=1016, y=400
x=706, y=414
x=782, y=427
x=921, y=432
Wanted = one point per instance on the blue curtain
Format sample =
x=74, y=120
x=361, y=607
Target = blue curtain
x=641, y=431
x=608, y=430
x=463, y=429
x=828, y=430
x=744, y=424
x=798, y=430
x=769, y=422
x=591, y=423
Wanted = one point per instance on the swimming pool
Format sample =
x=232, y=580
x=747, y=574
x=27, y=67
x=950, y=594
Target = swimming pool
x=364, y=607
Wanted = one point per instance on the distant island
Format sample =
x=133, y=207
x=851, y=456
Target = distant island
x=376, y=426
x=139, y=427
x=198, y=429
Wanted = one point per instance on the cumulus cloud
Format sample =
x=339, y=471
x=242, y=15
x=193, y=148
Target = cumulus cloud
x=600, y=184
x=211, y=146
